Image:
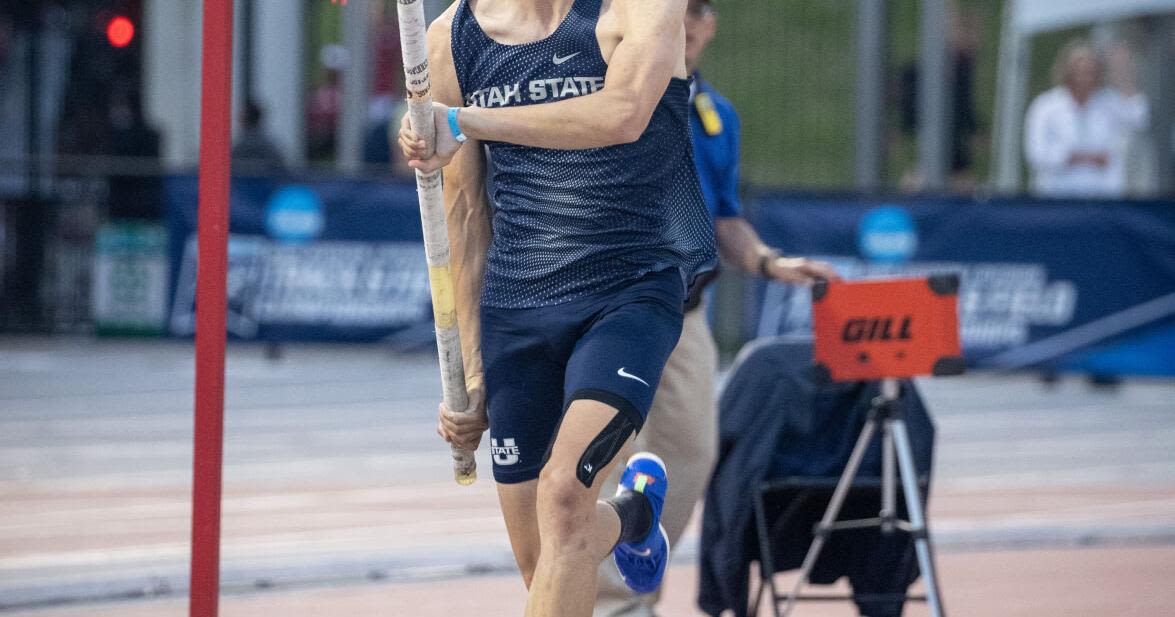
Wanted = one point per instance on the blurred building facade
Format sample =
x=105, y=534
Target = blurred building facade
x=322, y=74
x=66, y=81
x=100, y=99
x=328, y=80
x=95, y=117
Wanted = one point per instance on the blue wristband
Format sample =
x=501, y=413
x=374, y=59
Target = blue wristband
x=454, y=127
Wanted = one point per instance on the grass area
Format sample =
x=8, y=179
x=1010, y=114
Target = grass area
x=789, y=66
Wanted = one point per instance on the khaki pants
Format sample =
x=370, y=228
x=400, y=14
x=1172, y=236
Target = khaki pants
x=682, y=430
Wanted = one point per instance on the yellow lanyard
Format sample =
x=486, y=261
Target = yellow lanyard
x=711, y=121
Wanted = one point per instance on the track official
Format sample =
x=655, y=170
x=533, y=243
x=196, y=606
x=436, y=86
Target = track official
x=682, y=424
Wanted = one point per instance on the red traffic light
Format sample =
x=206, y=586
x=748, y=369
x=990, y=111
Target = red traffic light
x=120, y=31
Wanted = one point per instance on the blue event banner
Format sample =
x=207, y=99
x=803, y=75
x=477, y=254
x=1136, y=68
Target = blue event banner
x=309, y=260
x=1058, y=284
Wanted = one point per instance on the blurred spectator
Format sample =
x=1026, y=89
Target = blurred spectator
x=964, y=38
x=255, y=153
x=377, y=150
x=1076, y=134
x=7, y=34
x=138, y=195
x=388, y=76
x=381, y=110
x=12, y=116
x=322, y=115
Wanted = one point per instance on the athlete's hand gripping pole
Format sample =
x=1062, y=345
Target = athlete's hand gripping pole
x=432, y=217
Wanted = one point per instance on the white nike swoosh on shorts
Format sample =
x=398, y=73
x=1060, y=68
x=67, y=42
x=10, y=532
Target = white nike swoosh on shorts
x=628, y=375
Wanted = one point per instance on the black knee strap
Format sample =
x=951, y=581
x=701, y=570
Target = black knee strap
x=604, y=448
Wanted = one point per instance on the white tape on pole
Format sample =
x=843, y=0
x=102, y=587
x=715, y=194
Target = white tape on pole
x=432, y=218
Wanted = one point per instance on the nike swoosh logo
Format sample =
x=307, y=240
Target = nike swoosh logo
x=558, y=60
x=627, y=375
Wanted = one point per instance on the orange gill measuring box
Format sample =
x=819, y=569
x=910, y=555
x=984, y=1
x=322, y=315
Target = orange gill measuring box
x=881, y=329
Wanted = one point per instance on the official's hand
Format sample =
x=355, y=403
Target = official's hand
x=800, y=270
x=415, y=149
x=464, y=428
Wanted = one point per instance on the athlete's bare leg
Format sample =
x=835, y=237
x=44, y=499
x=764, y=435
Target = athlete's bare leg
x=559, y=530
x=522, y=524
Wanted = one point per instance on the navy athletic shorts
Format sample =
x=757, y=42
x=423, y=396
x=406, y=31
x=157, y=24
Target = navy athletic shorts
x=608, y=347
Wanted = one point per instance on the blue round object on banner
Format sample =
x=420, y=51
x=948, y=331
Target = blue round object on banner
x=294, y=214
x=886, y=234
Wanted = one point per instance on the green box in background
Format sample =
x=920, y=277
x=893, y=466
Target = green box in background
x=129, y=291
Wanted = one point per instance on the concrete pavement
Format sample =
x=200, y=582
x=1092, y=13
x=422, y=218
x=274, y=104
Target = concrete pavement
x=1079, y=582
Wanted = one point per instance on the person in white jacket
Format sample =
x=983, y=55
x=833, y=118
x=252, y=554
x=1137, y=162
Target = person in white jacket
x=1076, y=134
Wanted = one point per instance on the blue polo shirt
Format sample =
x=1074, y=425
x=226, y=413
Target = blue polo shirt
x=716, y=155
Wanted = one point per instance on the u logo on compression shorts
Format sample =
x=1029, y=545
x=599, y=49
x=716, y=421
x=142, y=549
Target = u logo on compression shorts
x=506, y=453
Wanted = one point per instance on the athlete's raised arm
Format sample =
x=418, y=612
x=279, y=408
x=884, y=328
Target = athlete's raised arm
x=467, y=213
x=650, y=52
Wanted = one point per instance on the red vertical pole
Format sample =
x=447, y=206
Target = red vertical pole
x=215, y=117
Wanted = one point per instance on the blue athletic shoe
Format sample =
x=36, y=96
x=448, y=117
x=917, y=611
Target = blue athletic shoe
x=642, y=563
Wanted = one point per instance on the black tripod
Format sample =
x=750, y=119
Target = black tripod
x=886, y=415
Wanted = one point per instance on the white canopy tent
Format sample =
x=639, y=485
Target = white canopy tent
x=1024, y=19
x=1033, y=16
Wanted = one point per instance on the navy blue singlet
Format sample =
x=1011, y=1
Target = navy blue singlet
x=568, y=223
